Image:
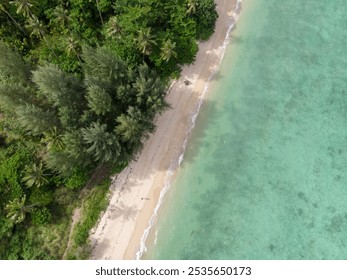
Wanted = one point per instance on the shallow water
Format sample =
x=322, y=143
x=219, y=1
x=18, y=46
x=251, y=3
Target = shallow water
x=265, y=172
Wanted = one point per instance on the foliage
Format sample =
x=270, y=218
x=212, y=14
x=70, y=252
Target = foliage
x=41, y=216
x=81, y=83
x=77, y=179
x=34, y=175
x=94, y=204
x=16, y=209
x=205, y=15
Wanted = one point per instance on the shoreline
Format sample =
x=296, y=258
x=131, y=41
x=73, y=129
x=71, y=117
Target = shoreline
x=138, y=191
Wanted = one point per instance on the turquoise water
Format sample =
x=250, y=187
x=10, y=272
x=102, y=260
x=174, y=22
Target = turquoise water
x=265, y=172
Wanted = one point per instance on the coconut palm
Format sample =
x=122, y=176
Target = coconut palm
x=61, y=16
x=16, y=209
x=52, y=138
x=34, y=175
x=167, y=50
x=113, y=29
x=145, y=41
x=36, y=27
x=38, y=30
x=73, y=47
x=24, y=7
x=103, y=145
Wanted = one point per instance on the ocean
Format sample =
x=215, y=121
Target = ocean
x=264, y=175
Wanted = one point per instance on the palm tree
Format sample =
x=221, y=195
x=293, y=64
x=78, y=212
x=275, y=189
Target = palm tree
x=61, y=16
x=34, y=175
x=23, y=7
x=103, y=145
x=113, y=29
x=38, y=30
x=73, y=47
x=16, y=209
x=145, y=41
x=3, y=9
x=36, y=27
x=167, y=50
x=192, y=5
x=52, y=138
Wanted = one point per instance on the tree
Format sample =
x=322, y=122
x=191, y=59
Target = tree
x=150, y=92
x=35, y=119
x=35, y=176
x=145, y=41
x=113, y=28
x=53, y=139
x=16, y=209
x=13, y=95
x=23, y=7
x=167, y=50
x=12, y=66
x=103, y=145
x=36, y=27
x=99, y=100
x=38, y=30
x=61, y=16
x=64, y=91
x=128, y=128
x=60, y=88
x=3, y=8
x=97, y=6
x=205, y=17
x=73, y=47
x=76, y=149
x=103, y=68
x=60, y=162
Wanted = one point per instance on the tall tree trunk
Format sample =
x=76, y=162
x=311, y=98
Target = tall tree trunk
x=16, y=23
x=97, y=6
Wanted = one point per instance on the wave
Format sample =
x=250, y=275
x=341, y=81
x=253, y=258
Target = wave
x=175, y=164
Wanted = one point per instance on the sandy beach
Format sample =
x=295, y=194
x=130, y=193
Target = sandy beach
x=136, y=191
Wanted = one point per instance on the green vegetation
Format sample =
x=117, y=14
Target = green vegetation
x=80, y=85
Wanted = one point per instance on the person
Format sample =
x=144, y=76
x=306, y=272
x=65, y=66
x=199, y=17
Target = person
x=187, y=83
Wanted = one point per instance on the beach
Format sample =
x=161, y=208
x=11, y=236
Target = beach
x=138, y=191
x=264, y=172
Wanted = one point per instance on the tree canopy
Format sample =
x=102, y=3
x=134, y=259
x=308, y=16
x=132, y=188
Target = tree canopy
x=81, y=83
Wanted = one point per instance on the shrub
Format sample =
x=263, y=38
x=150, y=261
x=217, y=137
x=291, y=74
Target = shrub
x=41, y=216
x=77, y=179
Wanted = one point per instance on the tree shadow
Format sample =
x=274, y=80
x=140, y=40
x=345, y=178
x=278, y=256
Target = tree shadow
x=121, y=210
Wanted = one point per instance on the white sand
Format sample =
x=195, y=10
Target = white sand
x=136, y=190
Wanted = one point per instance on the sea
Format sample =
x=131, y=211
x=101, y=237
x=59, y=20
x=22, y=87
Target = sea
x=264, y=175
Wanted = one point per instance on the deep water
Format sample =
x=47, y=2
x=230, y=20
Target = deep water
x=265, y=172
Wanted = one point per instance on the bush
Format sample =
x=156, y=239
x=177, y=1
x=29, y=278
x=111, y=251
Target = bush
x=95, y=203
x=77, y=180
x=41, y=216
x=41, y=197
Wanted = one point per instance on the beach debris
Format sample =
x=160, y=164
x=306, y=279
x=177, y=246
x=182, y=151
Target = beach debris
x=187, y=83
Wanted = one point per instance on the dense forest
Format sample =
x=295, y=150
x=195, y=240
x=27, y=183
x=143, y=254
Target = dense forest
x=81, y=82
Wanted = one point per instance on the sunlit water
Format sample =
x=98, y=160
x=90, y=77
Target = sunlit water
x=265, y=172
